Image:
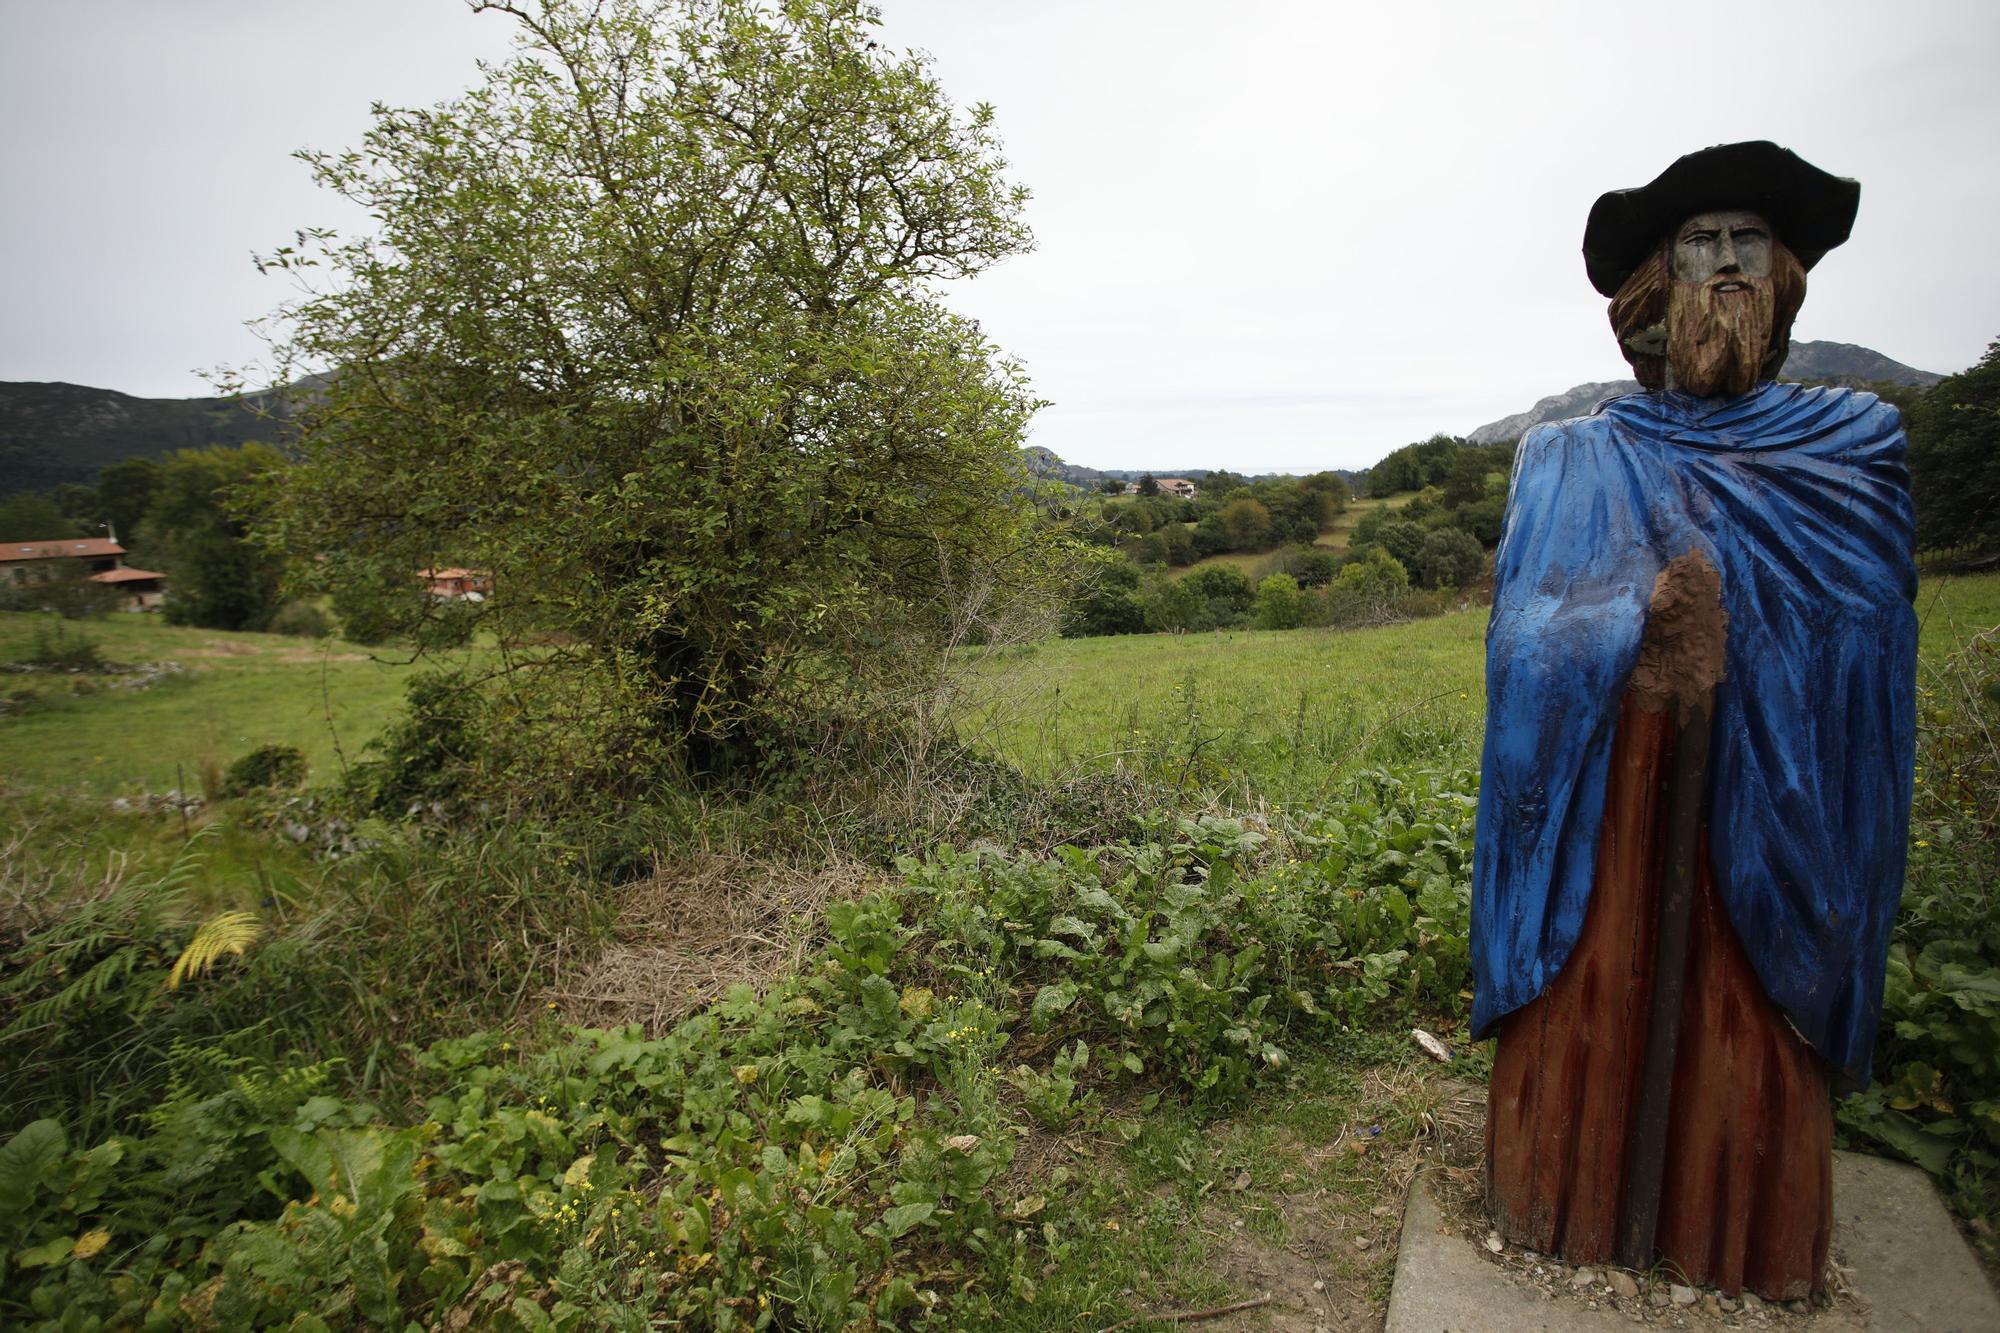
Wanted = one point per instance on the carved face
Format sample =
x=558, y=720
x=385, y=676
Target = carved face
x=1720, y=309
x=1711, y=244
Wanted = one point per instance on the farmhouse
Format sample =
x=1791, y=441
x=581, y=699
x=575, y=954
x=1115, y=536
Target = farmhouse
x=456, y=585
x=35, y=561
x=1180, y=487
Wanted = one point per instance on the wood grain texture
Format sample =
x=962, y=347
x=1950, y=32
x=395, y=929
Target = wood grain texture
x=1747, y=1199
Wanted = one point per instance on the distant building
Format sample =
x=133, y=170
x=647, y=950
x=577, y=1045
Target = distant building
x=32, y=561
x=23, y=560
x=457, y=585
x=142, y=589
x=1179, y=487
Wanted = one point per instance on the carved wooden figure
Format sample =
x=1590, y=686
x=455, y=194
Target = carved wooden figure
x=1698, y=758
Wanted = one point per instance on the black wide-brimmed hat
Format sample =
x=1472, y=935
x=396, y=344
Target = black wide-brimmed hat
x=1811, y=210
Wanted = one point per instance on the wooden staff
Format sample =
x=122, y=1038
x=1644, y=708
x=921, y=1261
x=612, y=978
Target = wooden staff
x=1682, y=659
x=1646, y=1140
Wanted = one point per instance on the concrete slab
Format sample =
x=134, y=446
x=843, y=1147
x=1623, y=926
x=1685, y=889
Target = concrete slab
x=1910, y=1269
x=1909, y=1263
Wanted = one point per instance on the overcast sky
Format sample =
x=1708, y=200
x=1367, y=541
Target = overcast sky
x=1270, y=236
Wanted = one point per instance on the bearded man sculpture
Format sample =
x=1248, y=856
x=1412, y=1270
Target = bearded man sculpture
x=1698, y=759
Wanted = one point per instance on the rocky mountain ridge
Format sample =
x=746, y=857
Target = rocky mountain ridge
x=1828, y=362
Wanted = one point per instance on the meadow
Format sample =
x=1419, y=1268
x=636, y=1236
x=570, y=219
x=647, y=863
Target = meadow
x=230, y=693
x=1286, y=716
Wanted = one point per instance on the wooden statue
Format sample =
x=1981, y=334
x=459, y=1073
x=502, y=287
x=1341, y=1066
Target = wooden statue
x=1697, y=771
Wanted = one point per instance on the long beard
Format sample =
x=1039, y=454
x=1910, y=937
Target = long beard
x=1717, y=341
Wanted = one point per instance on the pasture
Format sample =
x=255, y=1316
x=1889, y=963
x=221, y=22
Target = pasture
x=226, y=694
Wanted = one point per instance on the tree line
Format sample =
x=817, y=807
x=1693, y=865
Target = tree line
x=1398, y=561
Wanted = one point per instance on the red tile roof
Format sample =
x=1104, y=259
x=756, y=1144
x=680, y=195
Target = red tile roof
x=74, y=548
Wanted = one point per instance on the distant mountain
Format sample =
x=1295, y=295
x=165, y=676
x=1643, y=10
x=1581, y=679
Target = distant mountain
x=53, y=433
x=1835, y=363
x=1045, y=463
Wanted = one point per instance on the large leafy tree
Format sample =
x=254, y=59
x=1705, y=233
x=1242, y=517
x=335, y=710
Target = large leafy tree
x=648, y=334
x=217, y=577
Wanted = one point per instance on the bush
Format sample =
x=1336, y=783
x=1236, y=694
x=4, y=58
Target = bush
x=61, y=586
x=1376, y=576
x=60, y=648
x=1225, y=589
x=1107, y=604
x=301, y=620
x=267, y=766
x=1448, y=558
x=1279, y=604
x=425, y=756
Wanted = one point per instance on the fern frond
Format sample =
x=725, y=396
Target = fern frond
x=94, y=981
x=226, y=932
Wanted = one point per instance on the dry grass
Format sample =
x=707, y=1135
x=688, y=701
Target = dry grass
x=694, y=928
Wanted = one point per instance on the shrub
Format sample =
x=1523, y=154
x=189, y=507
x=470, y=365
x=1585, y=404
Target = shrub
x=1279, y=604
x=424, y=756
x=1225, y=589
x=1448, y=558
x=265, y=767
x=301, y=620
x=1375, y=577
x=61, y=586
x=62, y=649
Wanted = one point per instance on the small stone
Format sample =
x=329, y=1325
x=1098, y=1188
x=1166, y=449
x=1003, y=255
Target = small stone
x=1363, y=1242
x=1318, y=1285
x=1494, y=1243
x=1657, y=1296
x=1729, y=1304
x=1381, y=1210
x=1681, y=1295
x=1623, y=1285
x=1796, y=1307
x=1752, y=1301
x=1241, y=1183
x=1584, y=1277
x=1711, y=1306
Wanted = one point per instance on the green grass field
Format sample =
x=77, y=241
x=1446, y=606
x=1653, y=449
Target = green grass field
x=236, y=692
x=1338, y=533
x=1273, y=714
x=1283, y=714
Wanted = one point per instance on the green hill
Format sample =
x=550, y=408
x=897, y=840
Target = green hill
x=55, y=433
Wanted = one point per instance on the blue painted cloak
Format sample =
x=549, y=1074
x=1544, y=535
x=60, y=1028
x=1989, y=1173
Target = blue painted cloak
x=1801, y=500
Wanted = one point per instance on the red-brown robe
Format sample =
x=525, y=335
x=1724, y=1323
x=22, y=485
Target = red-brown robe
x=1748, y=1193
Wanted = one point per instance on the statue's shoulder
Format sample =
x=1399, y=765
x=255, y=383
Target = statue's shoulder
x=1590, y=430
x=1872, y=413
